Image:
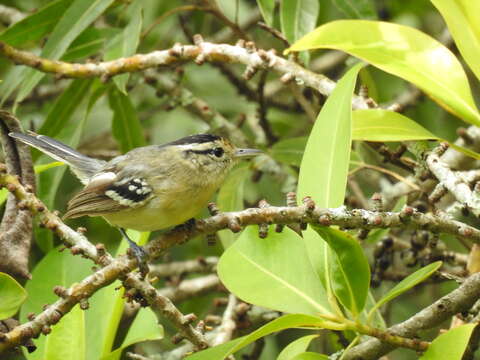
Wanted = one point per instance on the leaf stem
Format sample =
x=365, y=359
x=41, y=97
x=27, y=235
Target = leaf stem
x=388, y=337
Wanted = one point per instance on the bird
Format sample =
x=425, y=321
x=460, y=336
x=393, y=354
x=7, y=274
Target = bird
x=148, y=188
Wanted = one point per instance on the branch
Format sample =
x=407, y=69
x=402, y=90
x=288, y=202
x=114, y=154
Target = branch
x=408, y=218
x=200, y=53
x=70, y=297
x=183, y=267
x=77, y=242
x=118, y=267
x=455, y=302
x=10, y=15
x=162, y=306
x=16, y=226
x=228, y=325
x=191, y=288
x=454, y=184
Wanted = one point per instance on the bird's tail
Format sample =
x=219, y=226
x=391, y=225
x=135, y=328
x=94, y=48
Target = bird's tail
x=82, y=166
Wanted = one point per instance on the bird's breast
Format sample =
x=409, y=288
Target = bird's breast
x=165, y=209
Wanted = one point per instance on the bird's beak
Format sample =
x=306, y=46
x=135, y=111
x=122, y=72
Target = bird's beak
x=244, y=153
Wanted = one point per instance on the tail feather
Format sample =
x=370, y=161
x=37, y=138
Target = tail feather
x=82, y=166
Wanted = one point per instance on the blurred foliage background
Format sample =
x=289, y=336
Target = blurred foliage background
x=104, y=119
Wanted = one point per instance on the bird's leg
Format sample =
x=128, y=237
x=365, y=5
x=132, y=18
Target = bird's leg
x=138, y=252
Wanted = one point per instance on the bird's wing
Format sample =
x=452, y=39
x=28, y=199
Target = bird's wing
x=107, y=193
x=92, y=201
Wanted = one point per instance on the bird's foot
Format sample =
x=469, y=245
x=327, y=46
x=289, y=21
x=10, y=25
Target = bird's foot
x=139, y=253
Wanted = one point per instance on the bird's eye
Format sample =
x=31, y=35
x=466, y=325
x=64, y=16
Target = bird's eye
x=218, y=152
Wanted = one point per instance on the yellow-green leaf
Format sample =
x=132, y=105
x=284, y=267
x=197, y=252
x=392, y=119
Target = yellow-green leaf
x=262, y=272
x=79, y=15
x=404, y=52
x=462, y=18
x=350, y=273
x=230, y=198
x=450, y=345
x=296, y=347
x=298, y=17
x=267, y=9
x=285, y=322
x=12, y=296
x=384, y=125
x=126, y=43
x=324, y=167
x=67, y=339
x=408, y=283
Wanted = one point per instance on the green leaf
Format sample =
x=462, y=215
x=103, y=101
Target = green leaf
x=88, y=43
x=56, y=268
x=50, y=181
x=261, y=272
x=296, y=347
x=311, y=356
x=372, y=317
x=324, y=167
x=357, y=9
x=289, y=151
x=70, y=134
x=285, y=322
x=462, y=20
x=12, y=296
x=64, y=107
x=35, y=26
x=267, y=8
x=31, y=28
x=145, y=327
x=406, y=284
x=450, y=345
x=126, y=126
x=11, y=81
x=298, y=17
x=44, y=167
x=3, y=195
x=79, y=15
x=126, y=43
x=350, y=274
x=404, y=52
x=230, y=198
x=385, y=125
x=67, y=339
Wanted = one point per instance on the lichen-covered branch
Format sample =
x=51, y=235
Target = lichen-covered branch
x=10, y=15
x=162, y=306
x=191, y=287
x=201, y=52
x=228, y=325
x=453, y=183
x=77, y=242
x=119, y=267
x=184, y=267
x=69, y=298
